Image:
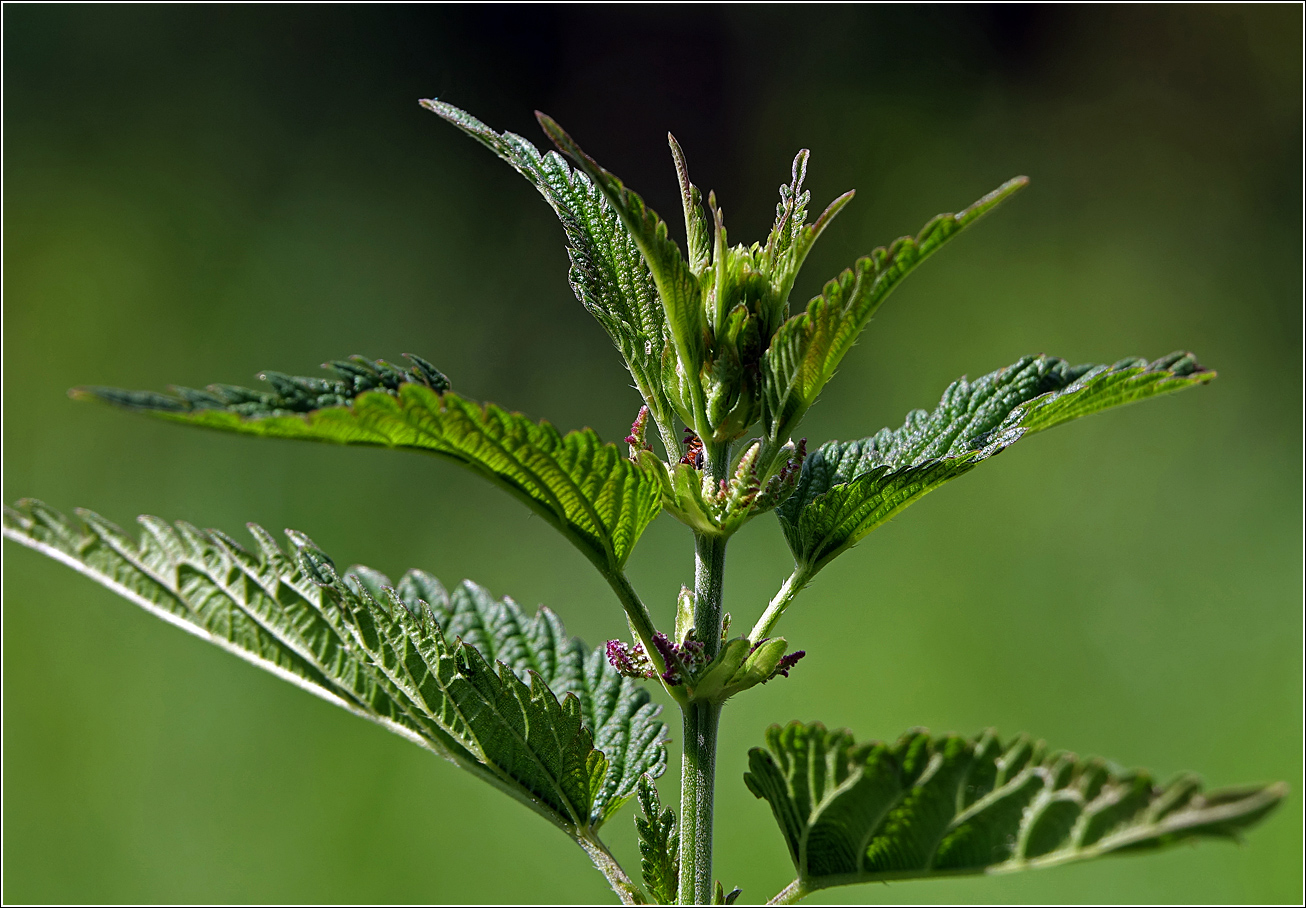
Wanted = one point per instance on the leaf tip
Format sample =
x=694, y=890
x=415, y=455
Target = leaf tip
x=566, y=144
x=1275, y=792
x=549, y=125
x=992, y=199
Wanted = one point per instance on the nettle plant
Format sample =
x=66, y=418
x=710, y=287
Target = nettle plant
x=727, y=372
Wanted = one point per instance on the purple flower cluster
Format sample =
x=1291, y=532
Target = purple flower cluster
x=632, y=661
x=636, y=438
x=786, y=663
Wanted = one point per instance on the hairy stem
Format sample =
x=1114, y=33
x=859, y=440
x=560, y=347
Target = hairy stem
x=612, y=871
x=792, y=587
x=669, y=440
x=789, y=895
x=697, y=781
x=709, y=577
x=698, y=765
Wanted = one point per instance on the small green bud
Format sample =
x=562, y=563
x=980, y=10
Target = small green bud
x=684, y=614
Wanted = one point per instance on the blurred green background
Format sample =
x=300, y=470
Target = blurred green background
x=193, y=194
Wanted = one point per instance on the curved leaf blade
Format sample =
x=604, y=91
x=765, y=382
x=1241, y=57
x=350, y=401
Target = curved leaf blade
x=588, y=490
x=677, y=285
x=608, y=273
x=531, y=717
x=847, y=489
x=617, y=711
x=931, y=806
x=806, y=350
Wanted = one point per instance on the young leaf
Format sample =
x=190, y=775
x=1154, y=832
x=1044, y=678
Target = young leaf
x=928, y=806
x=608, y=274
x=847, y=489
x=807, y=349
x=659, y=845
x=590, y=491
x=791, y=237
x=676, y=282
x=698, y=241
x=511, y=699
x=721, y=897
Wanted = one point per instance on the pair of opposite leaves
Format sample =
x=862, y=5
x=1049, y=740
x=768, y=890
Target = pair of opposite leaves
x=419, y=660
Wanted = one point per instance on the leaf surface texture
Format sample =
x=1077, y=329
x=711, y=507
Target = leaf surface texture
x=608, y=274
x=927, y=806
x=808, y=348
x=508, y=696
x=589, y=490
x=659, y=845
x=847, y=489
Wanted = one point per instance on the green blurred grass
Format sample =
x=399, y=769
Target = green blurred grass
x=195, y=195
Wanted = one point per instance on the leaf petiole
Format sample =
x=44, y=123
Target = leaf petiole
x=771, y=617
x=612, y=870
x=790, y=895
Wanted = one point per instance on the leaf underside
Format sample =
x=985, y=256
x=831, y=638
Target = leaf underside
x=928, y=806
x=589, y=490
x=847, y=489
x=608, y=274
x=509, y=697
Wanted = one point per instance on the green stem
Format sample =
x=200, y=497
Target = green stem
x=698, y=765
x=642, y=622
x=709, y=578
x=697, y=782
x=612, y=871
x=792, y=587
x=667, y=432
x=790, y=894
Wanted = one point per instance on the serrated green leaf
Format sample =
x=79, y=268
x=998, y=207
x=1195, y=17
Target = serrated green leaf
x=847, y=489
x=930, y=806
x=589, y=490
x=659, y=845
x=608, y=273
x=808, y=348
x=510, y=698
x=698, y=239
x=677, y=285
x=791, y=237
